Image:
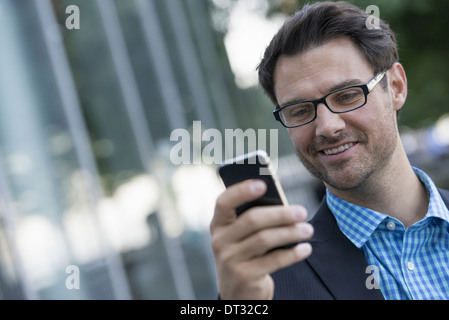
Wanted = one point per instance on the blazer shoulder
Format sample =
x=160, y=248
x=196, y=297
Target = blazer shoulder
x=445, y=195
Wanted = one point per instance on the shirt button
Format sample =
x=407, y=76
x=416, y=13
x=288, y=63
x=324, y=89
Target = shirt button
x=410, y=266
x=391, y=225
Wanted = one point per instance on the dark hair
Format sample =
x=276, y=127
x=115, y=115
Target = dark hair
x=317, y=24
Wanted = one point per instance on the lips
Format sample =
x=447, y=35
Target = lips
x=336, y=150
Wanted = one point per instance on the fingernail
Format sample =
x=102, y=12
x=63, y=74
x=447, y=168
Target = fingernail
x=304, y=248
x=299, y=214
x=306, y=229
x=257, y=186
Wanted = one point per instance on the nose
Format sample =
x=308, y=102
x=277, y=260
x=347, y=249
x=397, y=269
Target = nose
x=327, y=123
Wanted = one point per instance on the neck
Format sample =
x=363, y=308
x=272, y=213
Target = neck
x=395, y=190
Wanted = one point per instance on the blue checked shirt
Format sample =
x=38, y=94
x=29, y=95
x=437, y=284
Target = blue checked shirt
x=412, y=263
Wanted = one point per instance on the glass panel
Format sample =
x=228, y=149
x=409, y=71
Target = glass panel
x=53, y=225
x=91, y=204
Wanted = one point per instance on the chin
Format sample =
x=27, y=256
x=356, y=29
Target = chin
x=341, y=177
x=344, y=185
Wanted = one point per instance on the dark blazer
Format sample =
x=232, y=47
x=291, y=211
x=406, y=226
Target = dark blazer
x=336, y=269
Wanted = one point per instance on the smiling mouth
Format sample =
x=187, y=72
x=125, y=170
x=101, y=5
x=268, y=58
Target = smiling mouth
x=340, y=149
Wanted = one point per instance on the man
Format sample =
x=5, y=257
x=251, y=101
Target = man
x=338, y=87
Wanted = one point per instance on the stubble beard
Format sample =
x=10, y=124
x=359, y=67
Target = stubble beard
x=352, y=173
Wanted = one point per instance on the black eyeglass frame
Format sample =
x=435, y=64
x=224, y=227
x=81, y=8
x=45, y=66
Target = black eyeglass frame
x=366, y=88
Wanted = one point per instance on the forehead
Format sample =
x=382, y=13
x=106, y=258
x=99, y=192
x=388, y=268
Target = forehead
x=312, y=74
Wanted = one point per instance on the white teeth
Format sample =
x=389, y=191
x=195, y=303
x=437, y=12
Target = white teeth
x=338, y=150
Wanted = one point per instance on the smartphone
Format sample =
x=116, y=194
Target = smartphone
x=253, y=165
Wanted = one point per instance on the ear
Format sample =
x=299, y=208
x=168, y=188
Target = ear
x=397, y=85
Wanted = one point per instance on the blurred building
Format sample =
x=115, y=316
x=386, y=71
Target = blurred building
x=92, y=207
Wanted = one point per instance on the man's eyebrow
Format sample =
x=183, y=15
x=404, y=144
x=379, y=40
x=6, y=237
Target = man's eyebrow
x=338, y=86
x=344, y=84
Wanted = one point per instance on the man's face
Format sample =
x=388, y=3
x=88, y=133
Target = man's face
x=343, y=150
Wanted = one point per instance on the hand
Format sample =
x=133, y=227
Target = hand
x=240, y=244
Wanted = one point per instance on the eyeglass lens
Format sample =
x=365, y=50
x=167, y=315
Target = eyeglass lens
x=340, y=101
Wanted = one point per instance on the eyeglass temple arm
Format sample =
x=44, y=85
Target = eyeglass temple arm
x=375, y=80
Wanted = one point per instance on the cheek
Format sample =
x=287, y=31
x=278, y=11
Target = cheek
x=300, y=137
x=382, y=117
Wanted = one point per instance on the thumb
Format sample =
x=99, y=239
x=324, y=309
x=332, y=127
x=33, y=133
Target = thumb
x=234, y=196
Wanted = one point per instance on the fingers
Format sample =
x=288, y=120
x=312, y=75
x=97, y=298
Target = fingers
x=267, y=239
x=251, y=279
x=280, y=258
x=271, y=224
x=259, y=230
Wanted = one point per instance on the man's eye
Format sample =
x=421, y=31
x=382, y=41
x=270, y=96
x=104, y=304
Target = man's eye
x=347, y=97
x=299, y=111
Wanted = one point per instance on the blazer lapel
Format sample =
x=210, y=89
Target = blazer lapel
x=445, y=196
x=338, y=262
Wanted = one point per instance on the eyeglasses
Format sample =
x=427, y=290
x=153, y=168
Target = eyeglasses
x=344, y=100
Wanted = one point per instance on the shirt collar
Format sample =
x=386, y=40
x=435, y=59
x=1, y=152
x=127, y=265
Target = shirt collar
x=358, y=223
x=437, y=207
